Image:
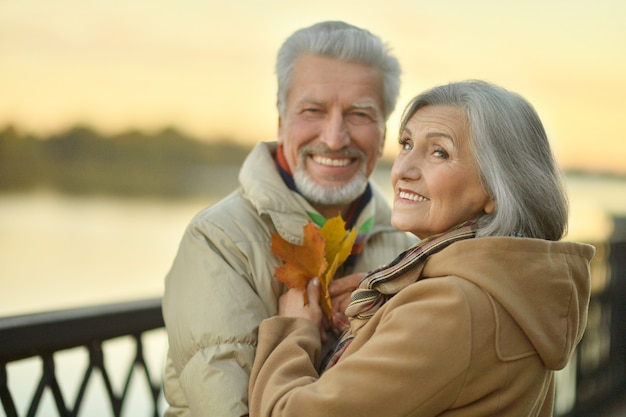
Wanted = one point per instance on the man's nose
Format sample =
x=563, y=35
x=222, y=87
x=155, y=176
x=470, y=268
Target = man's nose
x=334, y=131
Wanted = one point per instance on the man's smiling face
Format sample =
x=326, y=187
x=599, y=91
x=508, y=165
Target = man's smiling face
x=333, y=127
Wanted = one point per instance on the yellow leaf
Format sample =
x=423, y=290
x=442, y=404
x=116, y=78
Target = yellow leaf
x=334, y=234
x=339, y=244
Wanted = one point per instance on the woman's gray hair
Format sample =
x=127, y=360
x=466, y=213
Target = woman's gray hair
x=342, y=41
x=516, y=164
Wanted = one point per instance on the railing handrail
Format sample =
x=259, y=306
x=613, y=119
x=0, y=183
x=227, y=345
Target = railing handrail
x=28, y=335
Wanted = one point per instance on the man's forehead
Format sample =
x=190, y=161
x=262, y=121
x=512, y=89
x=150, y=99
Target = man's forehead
x=366, y=103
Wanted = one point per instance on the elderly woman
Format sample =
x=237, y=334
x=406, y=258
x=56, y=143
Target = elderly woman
x=475, y=318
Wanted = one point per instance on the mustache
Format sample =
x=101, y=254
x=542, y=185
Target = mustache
x=349, y=152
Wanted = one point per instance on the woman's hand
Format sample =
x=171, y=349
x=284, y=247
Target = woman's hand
x=291, y=304
x=340, y=291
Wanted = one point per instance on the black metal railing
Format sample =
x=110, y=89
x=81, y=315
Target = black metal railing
x=43, y=335
x=601, y=356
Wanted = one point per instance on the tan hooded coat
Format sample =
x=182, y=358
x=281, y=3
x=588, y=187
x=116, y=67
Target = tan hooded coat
x=480, y=334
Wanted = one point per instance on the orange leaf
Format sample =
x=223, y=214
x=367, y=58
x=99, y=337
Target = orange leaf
x=303, y=262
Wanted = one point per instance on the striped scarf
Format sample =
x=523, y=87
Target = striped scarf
x=379, y=285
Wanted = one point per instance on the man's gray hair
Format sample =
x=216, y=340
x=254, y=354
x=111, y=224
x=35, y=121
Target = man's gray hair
x=342, y=41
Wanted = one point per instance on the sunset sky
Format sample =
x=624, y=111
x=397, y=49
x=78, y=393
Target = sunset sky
x=206, y=67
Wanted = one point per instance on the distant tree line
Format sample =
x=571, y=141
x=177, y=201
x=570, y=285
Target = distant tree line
x=167, y=163
x=82, y=161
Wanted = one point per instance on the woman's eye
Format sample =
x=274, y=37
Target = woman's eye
x=405, y=144
x=440, y=153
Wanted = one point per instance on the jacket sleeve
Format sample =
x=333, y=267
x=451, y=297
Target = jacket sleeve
x=413, y=362
x=212, y=307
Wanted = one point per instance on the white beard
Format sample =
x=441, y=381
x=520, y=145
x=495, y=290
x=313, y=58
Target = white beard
x=329, y=195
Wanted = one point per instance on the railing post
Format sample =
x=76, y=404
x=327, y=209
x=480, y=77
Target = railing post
x=5, y=394
x=48, y=380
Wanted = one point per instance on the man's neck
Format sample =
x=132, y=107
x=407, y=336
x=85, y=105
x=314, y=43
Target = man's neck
x=333, y=211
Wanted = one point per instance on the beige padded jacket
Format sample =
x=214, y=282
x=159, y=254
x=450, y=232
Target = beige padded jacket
x=221, y=286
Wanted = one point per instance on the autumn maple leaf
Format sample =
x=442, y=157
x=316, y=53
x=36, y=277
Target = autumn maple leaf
x=303, y=262
x=321, y=253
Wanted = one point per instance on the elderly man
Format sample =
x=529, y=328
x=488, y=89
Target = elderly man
x=337, y=85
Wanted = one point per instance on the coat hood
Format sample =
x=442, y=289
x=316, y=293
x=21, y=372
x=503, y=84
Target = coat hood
x=542, y=286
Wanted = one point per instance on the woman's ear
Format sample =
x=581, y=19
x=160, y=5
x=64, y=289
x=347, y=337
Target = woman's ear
x=490, y=206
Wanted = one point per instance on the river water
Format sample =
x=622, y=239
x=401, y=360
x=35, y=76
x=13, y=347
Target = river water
x=59, y=251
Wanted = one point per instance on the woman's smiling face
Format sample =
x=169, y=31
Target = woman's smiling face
x=435, y=176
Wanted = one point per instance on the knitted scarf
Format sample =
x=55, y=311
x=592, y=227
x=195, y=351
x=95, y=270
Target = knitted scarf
x=379, y=285
x=361, y=206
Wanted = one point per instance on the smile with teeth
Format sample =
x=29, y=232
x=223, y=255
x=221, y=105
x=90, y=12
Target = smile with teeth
x=411, y=196
x=333, y=162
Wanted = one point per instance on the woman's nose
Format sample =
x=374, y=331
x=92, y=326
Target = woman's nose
x=406, y=167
